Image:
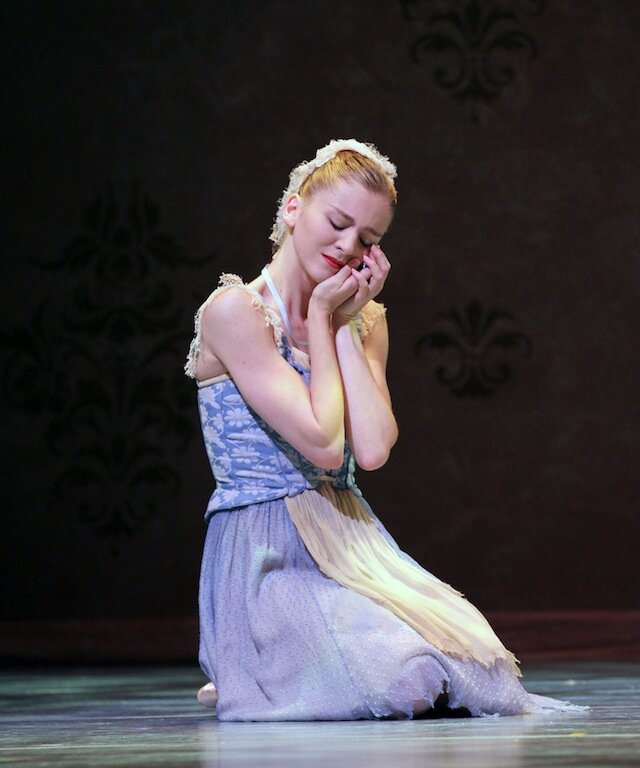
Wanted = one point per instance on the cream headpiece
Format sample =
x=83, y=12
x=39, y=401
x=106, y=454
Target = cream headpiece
x=323, y=155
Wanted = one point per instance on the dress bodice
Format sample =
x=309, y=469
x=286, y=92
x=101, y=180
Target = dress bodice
x=250, y=461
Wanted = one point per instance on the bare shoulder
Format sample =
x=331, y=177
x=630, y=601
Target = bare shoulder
x=237, y=323
x=234, y=297
x=226, y=306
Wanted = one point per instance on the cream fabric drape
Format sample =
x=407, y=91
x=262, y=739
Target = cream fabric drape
x=342, y=538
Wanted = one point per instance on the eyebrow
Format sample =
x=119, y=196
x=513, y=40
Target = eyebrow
x=350, y=218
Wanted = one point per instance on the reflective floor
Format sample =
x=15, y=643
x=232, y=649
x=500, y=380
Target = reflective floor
x=148, y=716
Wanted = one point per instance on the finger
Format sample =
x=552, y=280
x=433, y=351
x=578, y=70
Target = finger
x=372, y=265
x=349, y=286
x=374, y=252
x=377, y=280
x=338, y=280
x=375, y=259
x=378, y=275
x=380, y=257
x=343, y=273
x=362, y=276
x=363, y=284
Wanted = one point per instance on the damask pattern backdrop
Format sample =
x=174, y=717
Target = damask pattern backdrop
x=146, y=145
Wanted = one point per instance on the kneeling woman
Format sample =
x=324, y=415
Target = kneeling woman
x=308, y=608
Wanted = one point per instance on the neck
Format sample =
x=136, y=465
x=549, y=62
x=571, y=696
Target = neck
x=293, y=283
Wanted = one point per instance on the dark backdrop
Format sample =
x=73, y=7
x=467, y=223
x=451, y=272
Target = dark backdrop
x=146, y=144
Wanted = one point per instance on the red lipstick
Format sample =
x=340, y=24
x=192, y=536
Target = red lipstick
x=332, y=262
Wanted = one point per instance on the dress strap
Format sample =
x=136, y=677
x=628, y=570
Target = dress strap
x=229, y=281
x=280, y=304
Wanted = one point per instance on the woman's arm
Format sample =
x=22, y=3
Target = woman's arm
x=311, y=420
x=371, y=427
x=370, y=424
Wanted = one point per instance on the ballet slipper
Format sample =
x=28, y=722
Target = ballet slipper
x=208, y=696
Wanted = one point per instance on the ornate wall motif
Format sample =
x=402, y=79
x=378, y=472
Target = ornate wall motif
x=103, y=372
x=473, y=351
x=213, y=103
x=475, y=48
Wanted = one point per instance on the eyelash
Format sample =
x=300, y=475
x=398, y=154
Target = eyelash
x=339, y=229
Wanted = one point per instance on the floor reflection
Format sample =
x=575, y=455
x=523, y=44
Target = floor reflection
x=477, y=743
x=126, y=717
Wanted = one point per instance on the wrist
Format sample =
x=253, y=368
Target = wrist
x=319, y=309
x=345, y=329
x=340, y=319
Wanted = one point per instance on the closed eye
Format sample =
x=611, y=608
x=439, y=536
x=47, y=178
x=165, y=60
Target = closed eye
x=339, y=228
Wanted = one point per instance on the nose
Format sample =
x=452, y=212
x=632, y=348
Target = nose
x=348, y=244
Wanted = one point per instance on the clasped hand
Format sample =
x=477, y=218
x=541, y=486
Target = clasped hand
x=344, y=294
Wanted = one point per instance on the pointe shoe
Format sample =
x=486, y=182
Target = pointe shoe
x=208, y=696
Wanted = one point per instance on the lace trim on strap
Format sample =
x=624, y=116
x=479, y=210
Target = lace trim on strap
x=226, y=281
x=369, y=316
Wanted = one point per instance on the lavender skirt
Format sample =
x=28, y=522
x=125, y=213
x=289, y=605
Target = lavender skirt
x=282, y=641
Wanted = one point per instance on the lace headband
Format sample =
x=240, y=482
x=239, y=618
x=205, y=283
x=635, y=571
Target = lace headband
x=323, y=155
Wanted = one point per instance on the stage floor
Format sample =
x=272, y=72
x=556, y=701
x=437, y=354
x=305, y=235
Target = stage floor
x=148, y=716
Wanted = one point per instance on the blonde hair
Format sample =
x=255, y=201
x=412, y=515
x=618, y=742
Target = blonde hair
x=340, y=160
x=348, y=165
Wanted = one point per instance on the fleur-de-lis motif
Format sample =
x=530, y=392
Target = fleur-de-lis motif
x=475, y=349
x=115, y=261
x=476, y=48
x=105, y=370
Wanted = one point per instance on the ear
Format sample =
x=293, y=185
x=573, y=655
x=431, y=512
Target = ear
x=292, y=209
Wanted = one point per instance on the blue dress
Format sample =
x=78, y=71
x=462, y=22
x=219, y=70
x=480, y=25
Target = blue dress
x=279, y=638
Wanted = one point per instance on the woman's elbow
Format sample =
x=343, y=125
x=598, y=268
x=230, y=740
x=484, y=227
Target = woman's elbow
x=332, y=462
x=376, y=455
x=330, y=457
x=369, y=464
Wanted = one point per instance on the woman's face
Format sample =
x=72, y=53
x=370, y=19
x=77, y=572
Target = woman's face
x=337, y=226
